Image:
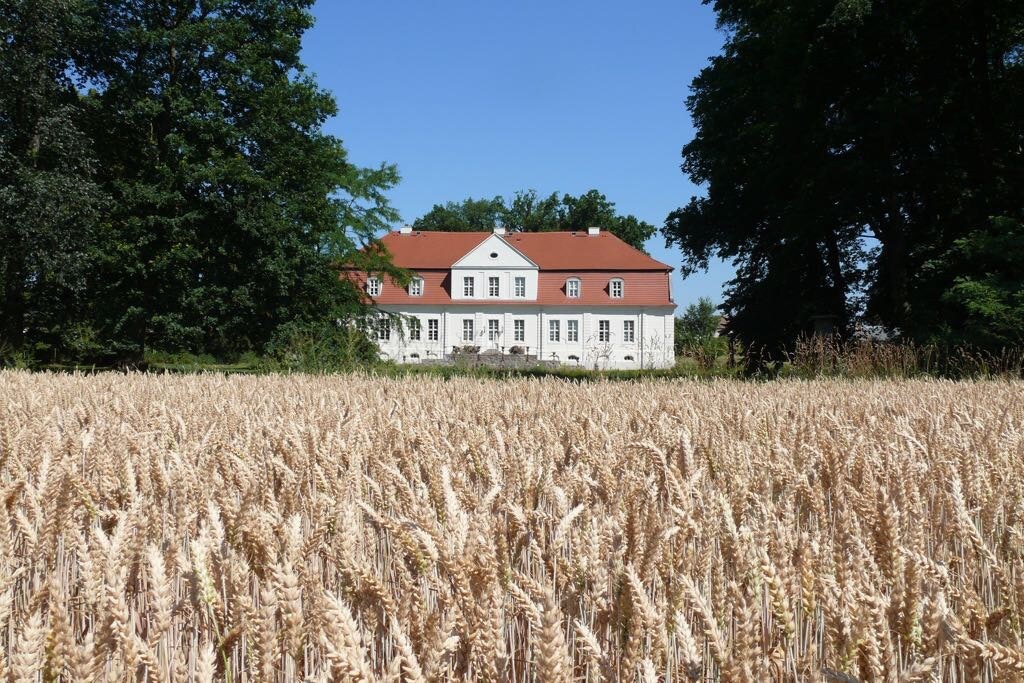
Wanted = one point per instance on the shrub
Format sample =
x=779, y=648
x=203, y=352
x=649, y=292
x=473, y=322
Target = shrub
x=320, y=347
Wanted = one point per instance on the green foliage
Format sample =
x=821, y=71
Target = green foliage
x=320, y=347
x=48, y=199
x=695, y=333
x=232, y=204
x=983, y=299
x=526, y=211
x=189, y=200
x=470, y=215
x=699, y=321
x=848, y=148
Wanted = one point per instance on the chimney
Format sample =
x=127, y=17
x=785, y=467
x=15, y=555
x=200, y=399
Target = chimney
x=498, y=230
x=406, y=230
x=593, y=231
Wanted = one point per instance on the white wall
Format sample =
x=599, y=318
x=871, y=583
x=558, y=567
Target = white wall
x=506, y=283
x=505, y=264
x=652, y=346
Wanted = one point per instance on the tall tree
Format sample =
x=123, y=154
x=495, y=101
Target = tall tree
x=844, y=146
x=470, y=215
x=526, y=211
x=48, y=200
x=231, y=206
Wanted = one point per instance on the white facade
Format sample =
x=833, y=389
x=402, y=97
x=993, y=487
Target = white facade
x=605, y=337
x=493, y=298
x=494, y=261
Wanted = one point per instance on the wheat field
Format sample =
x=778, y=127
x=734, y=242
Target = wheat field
x=293, y=528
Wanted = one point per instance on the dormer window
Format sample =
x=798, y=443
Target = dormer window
x=416, y=287
x=615, y=288
x=572, y=288
x=467, y=286
x=373, y=286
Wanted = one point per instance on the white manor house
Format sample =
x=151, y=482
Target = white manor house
x=583, y=298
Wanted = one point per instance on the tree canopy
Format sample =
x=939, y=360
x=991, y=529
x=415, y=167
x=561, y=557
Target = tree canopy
x=49, y=198
x=210, y=207
x=862, y=158
x=527, y=211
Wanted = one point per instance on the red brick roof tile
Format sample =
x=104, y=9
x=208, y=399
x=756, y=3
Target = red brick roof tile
x=549, y=250
x=594, y=259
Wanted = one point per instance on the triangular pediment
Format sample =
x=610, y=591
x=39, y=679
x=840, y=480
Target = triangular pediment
x=494, y=252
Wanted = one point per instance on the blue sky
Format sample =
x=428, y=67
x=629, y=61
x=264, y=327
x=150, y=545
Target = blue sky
x=476, y=99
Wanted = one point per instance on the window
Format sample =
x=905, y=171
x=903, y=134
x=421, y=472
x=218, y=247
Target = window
x=383, y=329
x=432, y=334
x=492, y=286
x=615, y=288
x=467, y=286
x=415, y=326
x=493, y=329
x=604, y=331
x=628, y=328
x=373, y=286
x=467, y=330
x=416, y=287
x=572, y=330
x=520, y=286
x=554, y=331
x=519, y=330
x=572, y=288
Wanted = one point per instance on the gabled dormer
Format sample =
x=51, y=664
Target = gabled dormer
x=495, y=270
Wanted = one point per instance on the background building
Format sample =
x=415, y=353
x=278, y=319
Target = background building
x=578, y=298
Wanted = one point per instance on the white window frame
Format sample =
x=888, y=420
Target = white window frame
x=493, y=286
x=628, y=331
x=468, y=331
x=520, y=286
x=573, y=288
x=604, y=331
x=383, y=329
x=415, y=329
x=493, y=329
x=468, y=286
x=554, y=330
x=616, y=288
x=416, y=286
x=519, y=330
x=433, y=329
x=572, y=330
x=374, y=286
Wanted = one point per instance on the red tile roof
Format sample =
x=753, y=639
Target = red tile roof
x=549, y=250
x=594, y=259
x=431, y=249
x=580, y=251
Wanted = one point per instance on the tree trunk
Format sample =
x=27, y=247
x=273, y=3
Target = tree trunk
x=894, y=259
x=839, y=287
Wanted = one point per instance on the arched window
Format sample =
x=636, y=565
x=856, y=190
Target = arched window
x=572, y=288
x=616, y=288
x=373, y=286
x=416, y=287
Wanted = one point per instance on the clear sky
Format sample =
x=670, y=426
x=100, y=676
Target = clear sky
x=481, y=98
